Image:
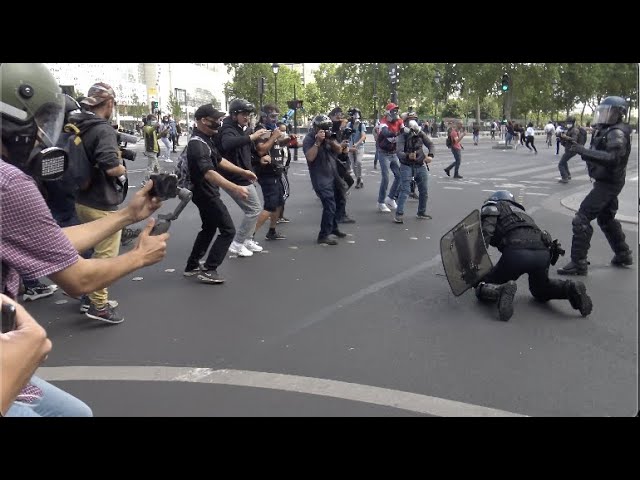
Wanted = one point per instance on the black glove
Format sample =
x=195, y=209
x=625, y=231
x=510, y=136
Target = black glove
x=575, y=148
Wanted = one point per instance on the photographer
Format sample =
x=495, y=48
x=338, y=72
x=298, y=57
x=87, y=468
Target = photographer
x=343, y=163
x=356, y=133
x=270, y=169
x=321, y=153
x=32, y=114
x=413, y=165
x=22, y=349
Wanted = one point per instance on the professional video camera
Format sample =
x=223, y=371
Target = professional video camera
x=126, y=136
x=165, y=186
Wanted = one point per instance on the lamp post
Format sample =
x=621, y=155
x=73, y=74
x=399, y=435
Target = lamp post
x=393, y=79
x=275, y=67
x=436, y=79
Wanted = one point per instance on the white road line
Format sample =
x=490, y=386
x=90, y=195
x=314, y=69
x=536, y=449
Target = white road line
x=535, y=193
x=386, y=397
x=531, y=170
x=453, y=188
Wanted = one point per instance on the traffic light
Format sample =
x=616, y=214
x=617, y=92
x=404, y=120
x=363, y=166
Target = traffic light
x=154, y=106
x=505, y=82
x=294, y=104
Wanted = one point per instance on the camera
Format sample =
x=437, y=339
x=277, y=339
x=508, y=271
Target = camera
x=347, y=132
x=330, y=135
x=165, y=185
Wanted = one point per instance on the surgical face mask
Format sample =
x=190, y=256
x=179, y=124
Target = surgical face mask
x=356, y=116
x=569, y=125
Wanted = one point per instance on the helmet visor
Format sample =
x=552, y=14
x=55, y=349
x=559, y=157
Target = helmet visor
x=605, y=115
x=50, y=119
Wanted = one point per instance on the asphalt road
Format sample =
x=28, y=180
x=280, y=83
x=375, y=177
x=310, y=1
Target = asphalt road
x=366, y=328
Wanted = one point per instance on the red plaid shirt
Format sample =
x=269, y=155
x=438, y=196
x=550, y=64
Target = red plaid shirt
x=32, y=245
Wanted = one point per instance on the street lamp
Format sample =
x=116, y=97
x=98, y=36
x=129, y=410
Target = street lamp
x=436, y=79
x=275, y=67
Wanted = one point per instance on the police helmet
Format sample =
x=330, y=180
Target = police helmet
x=610, y=111
x=31, y=100
x=241, y=105
x=504, y=195
x=353, y=110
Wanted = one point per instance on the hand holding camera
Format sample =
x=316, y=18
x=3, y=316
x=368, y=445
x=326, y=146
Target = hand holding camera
x=143, y=204
x=266, y=160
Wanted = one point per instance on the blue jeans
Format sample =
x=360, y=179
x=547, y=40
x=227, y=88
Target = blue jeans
x=388, y=161
x=54, y=403
x=332, y=201
x=457, y=158
x=421, y=176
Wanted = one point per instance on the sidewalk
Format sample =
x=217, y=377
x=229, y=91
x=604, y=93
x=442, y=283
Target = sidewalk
x=627, y=202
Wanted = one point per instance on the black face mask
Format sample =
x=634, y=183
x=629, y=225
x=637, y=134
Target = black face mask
x=214, y=125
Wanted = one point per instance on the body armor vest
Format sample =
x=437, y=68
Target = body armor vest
x=516, y=229
x=614, y=172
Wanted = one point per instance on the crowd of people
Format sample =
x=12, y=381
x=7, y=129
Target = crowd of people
x=225, y=152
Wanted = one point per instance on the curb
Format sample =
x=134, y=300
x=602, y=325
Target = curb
x=571, y=201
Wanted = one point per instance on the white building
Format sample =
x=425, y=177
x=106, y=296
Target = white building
x=146, y=82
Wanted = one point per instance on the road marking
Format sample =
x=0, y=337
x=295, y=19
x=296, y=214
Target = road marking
x=453, y=188
x=386, y=397
x=540, y=194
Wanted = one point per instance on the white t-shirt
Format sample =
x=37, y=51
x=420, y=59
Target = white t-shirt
x=529, y=132
x=549, y=128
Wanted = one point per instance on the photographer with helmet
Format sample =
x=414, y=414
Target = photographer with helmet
x=413, y=166
x=357, y=134
x=606, y=158
x=321, y=152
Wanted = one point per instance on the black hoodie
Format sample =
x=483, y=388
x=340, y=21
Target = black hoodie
x=101, y=142
x=236, y=146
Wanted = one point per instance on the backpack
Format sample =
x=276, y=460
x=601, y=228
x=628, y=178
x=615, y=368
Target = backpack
x=182, y=167
x=79, y=164
x=449, y=143
x=582, y=136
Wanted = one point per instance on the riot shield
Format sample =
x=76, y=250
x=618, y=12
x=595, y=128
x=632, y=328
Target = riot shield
x=464, y=255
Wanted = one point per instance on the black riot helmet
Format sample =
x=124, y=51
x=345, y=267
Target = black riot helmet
x=322, y=122
x=610, y=111
x=504, y=195
x=241, y=105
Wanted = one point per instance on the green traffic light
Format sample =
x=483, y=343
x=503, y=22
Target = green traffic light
x=505, y=87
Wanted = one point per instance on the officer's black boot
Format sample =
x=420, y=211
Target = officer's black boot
x=574, y=267
x=622, y=259
x=503, y=294
x=579, y=299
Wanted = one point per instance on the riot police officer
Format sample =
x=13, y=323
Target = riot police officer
x=606, y=159
x=525, y=249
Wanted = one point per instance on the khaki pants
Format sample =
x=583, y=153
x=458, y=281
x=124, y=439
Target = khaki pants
x=108, y=248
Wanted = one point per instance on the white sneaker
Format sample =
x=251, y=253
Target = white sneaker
x=240, y=250
x=252, y=245
x=168, y=160
x=391, y=203
x=383, y=208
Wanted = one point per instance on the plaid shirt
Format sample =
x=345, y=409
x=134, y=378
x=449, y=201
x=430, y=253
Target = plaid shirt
x=32, y=245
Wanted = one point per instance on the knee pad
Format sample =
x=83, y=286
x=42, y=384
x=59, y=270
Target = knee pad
x=581, y=224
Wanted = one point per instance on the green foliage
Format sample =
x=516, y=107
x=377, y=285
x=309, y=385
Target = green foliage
x=174, y=107
x=532, y=93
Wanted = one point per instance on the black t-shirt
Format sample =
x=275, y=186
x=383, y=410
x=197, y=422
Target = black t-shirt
x=320, y=169
x=201, y=160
